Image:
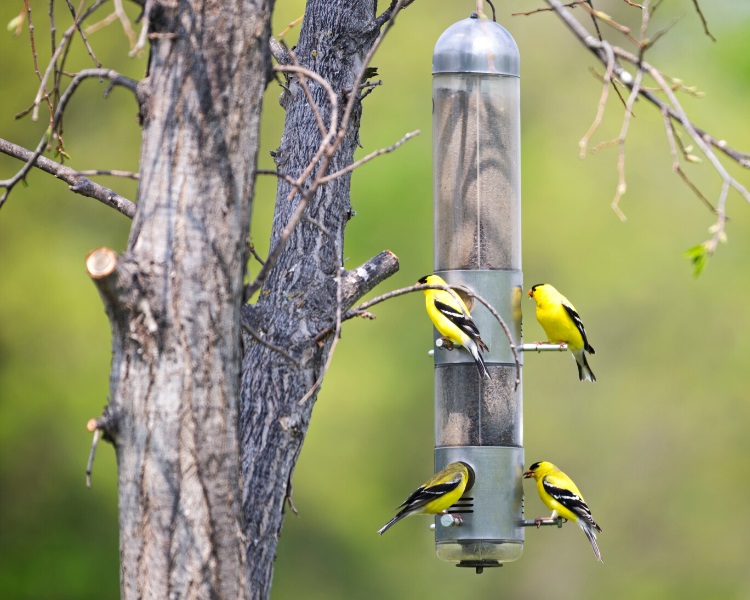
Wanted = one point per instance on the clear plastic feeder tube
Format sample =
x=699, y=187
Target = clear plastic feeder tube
x=476, y=148
x=477, y=226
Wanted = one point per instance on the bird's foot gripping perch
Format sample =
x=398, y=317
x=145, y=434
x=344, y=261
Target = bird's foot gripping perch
x=450, y=520
x=539, y=521
x=445, y=343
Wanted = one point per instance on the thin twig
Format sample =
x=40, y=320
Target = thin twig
x=506, y=330
x=42, y=91
x=77, y=23
x=605, y=18
x=118, y=13
x=597, y=48
x=703, y=20
x=33, y=46
x=257, y=257
x=290, y=26
x=76, y=181
x=621, y=183
x=325, y=152
x=334, y=343
x=92, y=453
x=606, y=82
x=538, y=10
x=253, y=334
x=332, y=128
x=303, y=82
x=141, y=43
x=52, y=26
x=370, y=156
x=113, y=76
x=671, y=107
x=676, y=167
x=362, y=308
x=110, y=173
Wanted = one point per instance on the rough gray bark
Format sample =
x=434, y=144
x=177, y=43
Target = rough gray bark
x=299, y=297
x=174, y=300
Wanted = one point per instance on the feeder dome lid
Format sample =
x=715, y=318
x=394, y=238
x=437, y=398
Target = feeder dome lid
x=476, y=46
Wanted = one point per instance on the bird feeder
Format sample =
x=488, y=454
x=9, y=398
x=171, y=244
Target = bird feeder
x=477, y=237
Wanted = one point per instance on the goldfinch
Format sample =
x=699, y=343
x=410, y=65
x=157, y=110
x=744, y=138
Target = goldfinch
x=452, y=319
x=561, y=495
x=436, y=494
x=561, y=323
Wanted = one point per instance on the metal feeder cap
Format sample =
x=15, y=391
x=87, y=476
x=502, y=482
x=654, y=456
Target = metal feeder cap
x=476, y=46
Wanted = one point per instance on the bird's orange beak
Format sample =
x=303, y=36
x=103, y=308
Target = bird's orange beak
x=531, y=293
x=528, y=474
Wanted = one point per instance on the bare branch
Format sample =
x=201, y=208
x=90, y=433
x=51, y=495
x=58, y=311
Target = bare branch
x=42, y=92
x=538, y=10
x=110, y=173
x=605, y=18
x=308, y=95
x=118, y=13
x=669, y=128
x=114, y=77
x=251, y=248
x=621, y=184
x=329, y=138
x=76, y=181
x=77, y=23
x=253, y=334
x=671, y=107
x=92, y=453
x=703, y=20
x=606, y=82
x=291, y=25
x=334, y=343
x=326, y=150
x=370, y=156
x=361, y=310
x=148, y=6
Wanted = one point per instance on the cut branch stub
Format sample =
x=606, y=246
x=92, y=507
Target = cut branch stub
x=101, y=263
x=357, y=282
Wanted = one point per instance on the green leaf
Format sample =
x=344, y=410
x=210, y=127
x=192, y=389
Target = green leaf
x=698, y=255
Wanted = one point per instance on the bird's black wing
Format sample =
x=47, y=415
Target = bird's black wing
x=423, y=495
x=570, y=500
x=579, y=325
x=464, y=323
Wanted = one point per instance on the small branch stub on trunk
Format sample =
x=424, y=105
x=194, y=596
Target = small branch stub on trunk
x=101, y=263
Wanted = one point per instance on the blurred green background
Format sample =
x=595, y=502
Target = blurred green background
x=658, y=445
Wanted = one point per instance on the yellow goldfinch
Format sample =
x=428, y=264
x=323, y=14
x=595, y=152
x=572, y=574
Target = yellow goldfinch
x=452, y=319
x=561, y=323
x=561, y=495
x=436, y=494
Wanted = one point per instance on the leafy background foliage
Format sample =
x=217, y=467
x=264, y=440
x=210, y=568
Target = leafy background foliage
x=659, y=444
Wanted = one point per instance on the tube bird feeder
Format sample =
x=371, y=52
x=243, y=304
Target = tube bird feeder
x=477, y=237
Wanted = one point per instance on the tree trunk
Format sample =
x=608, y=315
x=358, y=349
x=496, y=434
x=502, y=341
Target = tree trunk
x=194, y=522
x=299, y=297
x=174, y=300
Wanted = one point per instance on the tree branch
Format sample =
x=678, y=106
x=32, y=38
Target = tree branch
x=75, y=179
x=598, y=49
x=370, y=156
x=361, y=311
x=115, y=79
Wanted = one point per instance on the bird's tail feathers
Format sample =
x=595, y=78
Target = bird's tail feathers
x=482, y=346
x=588, y=529
x=584, y=371
x=392, y=522
x=483, y=372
